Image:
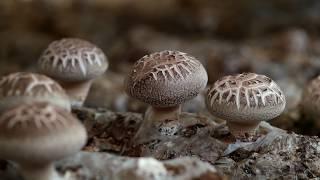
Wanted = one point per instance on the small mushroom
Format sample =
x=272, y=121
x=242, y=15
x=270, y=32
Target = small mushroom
x=35, y=135
x=24, y=87
x=244, y=100
x=310, y=103
x=165, y=80
x=74, y=63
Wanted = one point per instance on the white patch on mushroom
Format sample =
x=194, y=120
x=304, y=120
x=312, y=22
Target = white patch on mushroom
x=82, y=67
x=238, y=98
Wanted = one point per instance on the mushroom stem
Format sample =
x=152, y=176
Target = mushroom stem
x=39, y=172
x=153, y=117
x=242, y=130
x=160, y=114
x=77, y=91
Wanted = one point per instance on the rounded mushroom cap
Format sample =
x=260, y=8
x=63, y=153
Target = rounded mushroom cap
x=245, y=98
x=166, y=78
x=72, y=60
x=23, y=87
x=39, y=133
x=311, y=98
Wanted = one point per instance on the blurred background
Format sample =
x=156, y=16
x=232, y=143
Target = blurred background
x=278, y=38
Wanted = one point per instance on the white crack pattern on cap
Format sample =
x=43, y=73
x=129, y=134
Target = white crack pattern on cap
x=255, y=88
x=74, y=52
x=16, y=86
x=171, y=68
x=25, y=116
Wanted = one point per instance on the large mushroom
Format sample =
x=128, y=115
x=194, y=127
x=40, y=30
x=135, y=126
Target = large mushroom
x=164, y=80
x=24, y=87
x=74, y=63
x=35, y=135
x=244, y=100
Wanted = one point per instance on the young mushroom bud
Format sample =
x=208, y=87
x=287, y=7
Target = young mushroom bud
x=244, y=100
x=23, y=87
x=74, y=63
x=35, y=135
x=165, y=80
x=311, y=99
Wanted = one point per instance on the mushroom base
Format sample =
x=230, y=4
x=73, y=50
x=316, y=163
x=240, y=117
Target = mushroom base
x=243, y=131
x=39, y=172
x=161, y=114
x=154, y=117
x=77, y=91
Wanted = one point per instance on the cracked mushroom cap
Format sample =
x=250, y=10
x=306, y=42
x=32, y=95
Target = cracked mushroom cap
x=245, y=97
x=23, y=87
x=166, y=78
x=311, y=98
x=72, y=60
x=39, y=133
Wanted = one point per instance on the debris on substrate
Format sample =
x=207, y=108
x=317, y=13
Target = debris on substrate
x=105, y=166
x=275, y=154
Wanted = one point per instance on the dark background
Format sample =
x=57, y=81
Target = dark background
x=278, y=38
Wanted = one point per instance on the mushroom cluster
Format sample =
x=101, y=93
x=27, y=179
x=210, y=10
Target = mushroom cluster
x=244, y=100
x=36, y=126
x=166, y=79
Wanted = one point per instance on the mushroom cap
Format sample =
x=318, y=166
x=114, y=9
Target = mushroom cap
x=72, y=60
x=24, y=87
x=166, y=78
x=311, y=98
x=39, y=133
x=245, y=98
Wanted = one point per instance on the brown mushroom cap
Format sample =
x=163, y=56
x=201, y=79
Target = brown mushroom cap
x=311, y=98
x=39, y=133
x=23, y=87
x=246, y=97
x=72, y=60
x=166, y=78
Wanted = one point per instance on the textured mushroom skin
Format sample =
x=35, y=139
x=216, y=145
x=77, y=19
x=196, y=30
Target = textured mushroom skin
x=23, y=87
x=311, y=98
x=166, y=78
x=246, y=98
x=39, y=133
x=72, y=59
